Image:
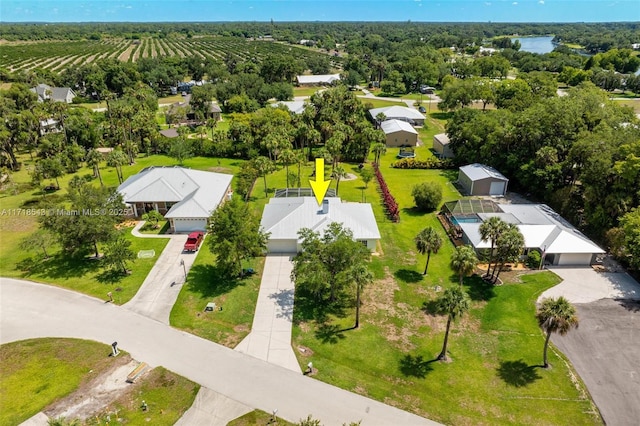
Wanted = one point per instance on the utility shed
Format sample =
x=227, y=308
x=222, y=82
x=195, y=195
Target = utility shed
x=478, y=179
x=441, y=146
x=399, y=133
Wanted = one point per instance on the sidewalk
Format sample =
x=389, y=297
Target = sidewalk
x=270, y=337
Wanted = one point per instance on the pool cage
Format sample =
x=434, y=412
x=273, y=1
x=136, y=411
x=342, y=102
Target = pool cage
x=300, y=192
x=464, y=211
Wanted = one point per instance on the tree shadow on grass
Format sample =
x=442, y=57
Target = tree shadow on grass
x=330, y=333
x=518, y=373
x=430, y=307
x=414, y=212
x=110, y=276
x=408, y=276
x=415, y=366
x=60, y=265
x=479, y=289
x=450, y=174
x=441, y=115
x=210, y=281
x=308, y=307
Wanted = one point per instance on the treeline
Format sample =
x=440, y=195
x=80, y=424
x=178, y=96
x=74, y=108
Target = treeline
x=593, y=36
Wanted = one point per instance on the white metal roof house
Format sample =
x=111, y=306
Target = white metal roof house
x=441, y=146
x=397, y=112
x=284, y=217
x=185, y=197
x=399, y=133
x=296, y=107
x=542, y=228
x=478, y=179
x=56, y=94
x=320, y=79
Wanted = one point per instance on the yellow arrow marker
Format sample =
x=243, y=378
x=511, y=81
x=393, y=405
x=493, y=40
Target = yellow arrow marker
x=319, y=185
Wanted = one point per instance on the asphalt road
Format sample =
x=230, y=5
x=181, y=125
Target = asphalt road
x=605, y=351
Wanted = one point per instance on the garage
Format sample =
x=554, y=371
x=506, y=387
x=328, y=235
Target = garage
x=565, y=259
x=181, y=225
x=282, y=246
x=497, y=188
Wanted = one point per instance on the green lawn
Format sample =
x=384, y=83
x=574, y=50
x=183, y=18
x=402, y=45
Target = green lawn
x=258, y=418
x=38, y=372
x=380, y=103
x=306, y=91
x=236, y=297
x=633, y=103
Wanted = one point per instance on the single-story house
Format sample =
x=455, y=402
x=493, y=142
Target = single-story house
x=399, y=133
x=317, y=80
x=441, y=146
x=169, y=133
x=55, y=94
x=478, y=179
x=544, y=230
x=50, y=125
x=214, y=110
x=104, y=151
x=296, y=107
x=284, y=217
x=397, y=112
x=185, y=197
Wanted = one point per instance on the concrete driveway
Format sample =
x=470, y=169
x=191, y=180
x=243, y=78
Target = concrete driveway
x=30, y=310
x=605, y=350
x=584, y=285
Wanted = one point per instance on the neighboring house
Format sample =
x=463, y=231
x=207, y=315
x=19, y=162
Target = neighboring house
x=55, y=94
x=399, y=133
x=214, y=110
x=397, y=112
x=185, y=197
x=544, y=230
x=169, y=133
x=284, y=217
x=317, y=80
x=478, y=179
x=296, y=107
x=104, y=151
x=441, y=146
x=49, y=125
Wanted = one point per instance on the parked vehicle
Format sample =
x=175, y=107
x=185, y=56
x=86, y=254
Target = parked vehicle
x=193, y=241
x=422, y=109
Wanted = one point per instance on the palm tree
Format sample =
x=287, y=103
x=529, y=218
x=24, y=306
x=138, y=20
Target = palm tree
x=339, y=173
x=490, y=230
x=117, y=159
x=93, y=160
x=453, y=303
x=287, y=157
x=556, y=316
x=263, y=166
x=428, y=241
x=510, y=246
x=379, y=149
x=211, y=124
x=463, y=261
x=362, y=276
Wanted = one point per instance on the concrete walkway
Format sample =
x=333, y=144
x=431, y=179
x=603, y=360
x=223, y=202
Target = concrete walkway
x=270, y=337
x=212, y=409
x=160, y=289
x=30, y=310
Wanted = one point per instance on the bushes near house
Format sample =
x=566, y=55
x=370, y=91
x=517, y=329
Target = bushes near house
x=429, y=163
x=388, y=200
x=533, y=259
x=427, y=196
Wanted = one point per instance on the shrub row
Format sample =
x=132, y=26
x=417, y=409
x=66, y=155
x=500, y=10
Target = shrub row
x=389, y=201
x=430, y=163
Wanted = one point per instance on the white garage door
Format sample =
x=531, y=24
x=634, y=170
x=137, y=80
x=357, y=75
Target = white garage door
x=575, y=259
x=188, y=225
x=282, y=246
x=497, y=188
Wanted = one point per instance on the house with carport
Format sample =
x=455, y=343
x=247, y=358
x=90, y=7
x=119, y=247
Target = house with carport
x=478, y=179
x=185, y=197
x=397, y=112
x=284, y=217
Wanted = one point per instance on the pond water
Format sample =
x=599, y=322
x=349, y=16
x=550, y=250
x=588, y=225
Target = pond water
x=535, y=44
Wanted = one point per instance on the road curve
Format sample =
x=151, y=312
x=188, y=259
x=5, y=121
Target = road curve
x=31, y=310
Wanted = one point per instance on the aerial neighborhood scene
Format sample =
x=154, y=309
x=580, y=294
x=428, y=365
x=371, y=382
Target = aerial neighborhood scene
x=319, y=213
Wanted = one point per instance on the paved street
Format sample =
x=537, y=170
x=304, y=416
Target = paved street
x=270, y=337
x=30, y=310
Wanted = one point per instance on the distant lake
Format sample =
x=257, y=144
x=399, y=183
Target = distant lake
x=535, y=44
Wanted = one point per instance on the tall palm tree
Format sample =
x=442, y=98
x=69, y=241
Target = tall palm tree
x=361, y=276
x=117, y=159
x=510, y=246
x=453, y=303
x=93, y=160
x=428, y=241
x=287, y=157
x=556, y=316
x=490, y=230
x=463, y=261
x=263, y=166
x=339, y=173
x=379, y=149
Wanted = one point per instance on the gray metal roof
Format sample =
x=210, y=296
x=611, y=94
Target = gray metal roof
x=397, y=111
x=477, y=171
x=284, y=217
x=442, y=138
x=195, y=192
x=394, y=126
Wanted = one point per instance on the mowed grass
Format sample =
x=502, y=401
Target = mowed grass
x=259, y=418
x=633, y=103
x=236, y=297
x=80, y=274
x=306, y=90
x=492, y=379
x=37, y=372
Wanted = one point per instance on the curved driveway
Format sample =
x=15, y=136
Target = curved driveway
x=30, y=310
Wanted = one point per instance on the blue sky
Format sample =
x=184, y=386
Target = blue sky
x=319, y=10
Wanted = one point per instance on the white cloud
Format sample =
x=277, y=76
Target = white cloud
x=487, y=3
x=541, y=2
x=515, y=3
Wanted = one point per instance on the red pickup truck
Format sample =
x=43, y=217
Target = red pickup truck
x=193, y=241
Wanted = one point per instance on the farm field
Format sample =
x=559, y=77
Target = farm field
x=56, y=56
